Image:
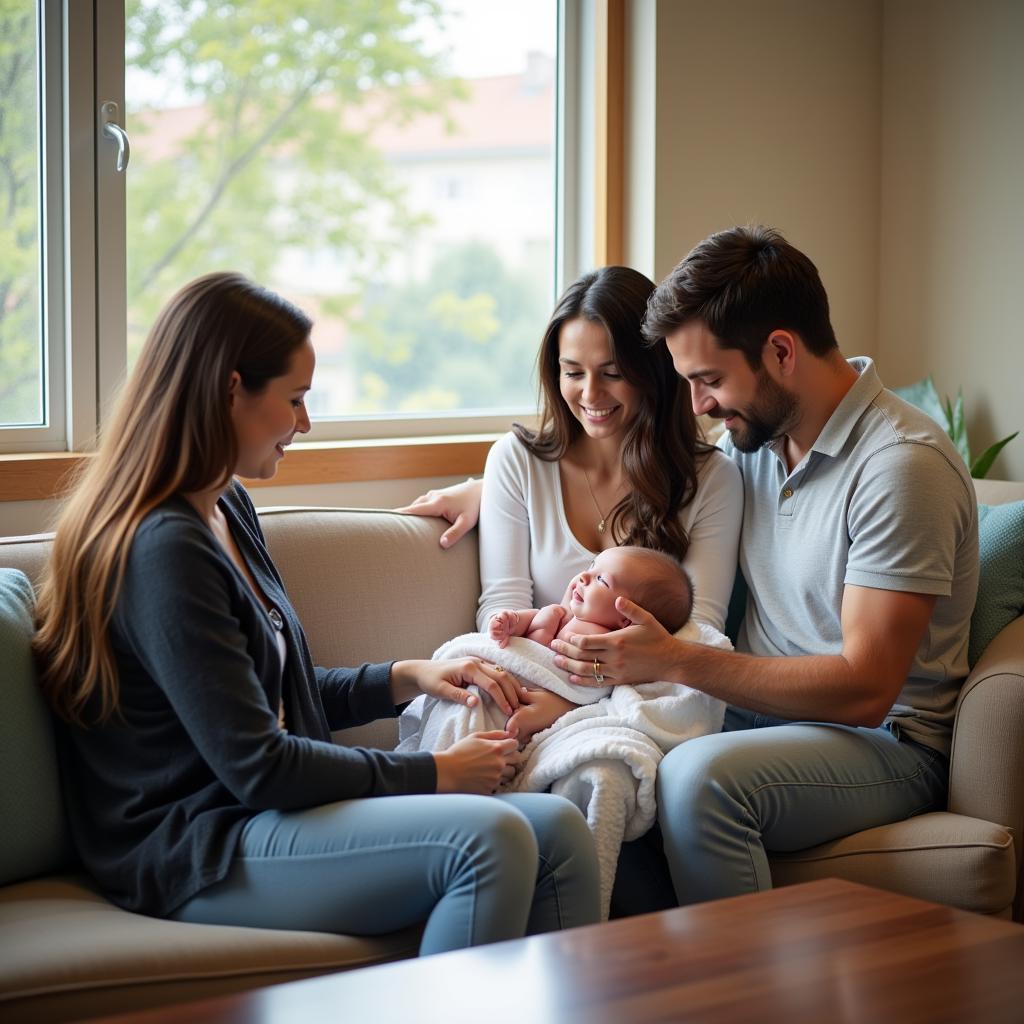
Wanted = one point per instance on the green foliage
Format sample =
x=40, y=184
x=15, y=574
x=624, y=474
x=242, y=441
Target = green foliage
x=950, y=416
x=435, y=344
x=275, y=157
x=20, y=349
x=278, y=155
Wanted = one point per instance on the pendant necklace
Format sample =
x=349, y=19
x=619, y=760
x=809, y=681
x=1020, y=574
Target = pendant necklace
x=603, y=522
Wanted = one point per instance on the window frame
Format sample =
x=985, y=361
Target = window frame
x=51, y=434
x=90, y=288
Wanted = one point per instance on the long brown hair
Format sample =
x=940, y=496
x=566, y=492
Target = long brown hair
x=661, y=447
x=171, y=432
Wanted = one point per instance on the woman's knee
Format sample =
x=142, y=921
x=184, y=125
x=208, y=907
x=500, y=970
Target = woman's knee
x=568, y=877
x=558, y=824
x=501, y=830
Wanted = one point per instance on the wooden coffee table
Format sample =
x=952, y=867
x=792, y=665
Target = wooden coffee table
x=822, y=952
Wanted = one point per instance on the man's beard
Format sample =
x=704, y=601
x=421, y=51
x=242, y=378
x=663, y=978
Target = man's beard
x=768, y=418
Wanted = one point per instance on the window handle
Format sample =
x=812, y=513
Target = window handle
x=112, y=130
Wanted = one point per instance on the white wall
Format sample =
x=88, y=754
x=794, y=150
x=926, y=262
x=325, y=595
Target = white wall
x=952, y=215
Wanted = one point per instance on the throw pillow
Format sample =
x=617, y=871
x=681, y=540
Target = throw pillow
x=35, y=839
x=1001, y=581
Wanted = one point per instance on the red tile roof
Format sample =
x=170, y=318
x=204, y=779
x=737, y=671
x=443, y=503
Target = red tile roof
x=503, y=112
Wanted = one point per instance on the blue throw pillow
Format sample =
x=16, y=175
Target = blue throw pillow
x=1001, y=582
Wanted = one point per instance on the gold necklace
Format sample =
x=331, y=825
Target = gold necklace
x=604, y=519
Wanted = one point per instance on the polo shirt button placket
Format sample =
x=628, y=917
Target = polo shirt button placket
x=785, y=505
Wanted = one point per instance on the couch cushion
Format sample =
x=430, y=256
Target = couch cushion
x=342, y=566
x=942, y=857
x=69, y=954
x=1001, y=581
x=35, y=838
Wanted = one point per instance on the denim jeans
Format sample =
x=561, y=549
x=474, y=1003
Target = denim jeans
x=475, y=869
x=765, y=784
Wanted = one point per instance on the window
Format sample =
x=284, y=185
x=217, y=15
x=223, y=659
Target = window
x=397, y=168
x=22, y=373
x=31, y=376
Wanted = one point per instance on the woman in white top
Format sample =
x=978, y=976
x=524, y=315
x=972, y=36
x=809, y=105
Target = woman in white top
x=616, y=460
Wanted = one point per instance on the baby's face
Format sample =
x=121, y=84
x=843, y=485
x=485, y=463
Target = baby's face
x=612, y=574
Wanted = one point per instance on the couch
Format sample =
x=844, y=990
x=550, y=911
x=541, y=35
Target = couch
x=352, y=574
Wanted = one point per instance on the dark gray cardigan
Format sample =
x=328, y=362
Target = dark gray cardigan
x=158, y=795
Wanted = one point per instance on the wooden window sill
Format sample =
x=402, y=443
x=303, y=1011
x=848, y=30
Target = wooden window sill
x=44, y=475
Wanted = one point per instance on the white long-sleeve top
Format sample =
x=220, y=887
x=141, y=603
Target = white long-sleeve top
x=528, y=553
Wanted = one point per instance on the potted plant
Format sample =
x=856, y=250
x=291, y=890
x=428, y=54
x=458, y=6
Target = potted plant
x=950, y=416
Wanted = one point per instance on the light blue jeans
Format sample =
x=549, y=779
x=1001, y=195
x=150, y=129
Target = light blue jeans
x=763, y=784
x=475, y=869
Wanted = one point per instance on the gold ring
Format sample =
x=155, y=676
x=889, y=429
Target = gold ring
x=598, y=677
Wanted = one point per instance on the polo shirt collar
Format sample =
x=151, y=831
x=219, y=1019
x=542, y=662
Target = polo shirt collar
x=840, y=424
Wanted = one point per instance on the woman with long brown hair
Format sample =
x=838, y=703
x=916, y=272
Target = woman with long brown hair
x=200, y=779
x=615, y=460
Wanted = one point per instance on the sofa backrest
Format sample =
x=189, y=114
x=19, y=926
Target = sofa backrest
x=370, y=585
x=998, y=492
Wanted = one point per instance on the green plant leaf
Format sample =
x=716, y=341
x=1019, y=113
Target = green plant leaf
x=923, y=395
x=983, y=463
x=957, y=429
x=951, y=418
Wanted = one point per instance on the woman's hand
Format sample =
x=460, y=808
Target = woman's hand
x=478, y=764
x=447, y=680
x=642, y=652
x=459, y=504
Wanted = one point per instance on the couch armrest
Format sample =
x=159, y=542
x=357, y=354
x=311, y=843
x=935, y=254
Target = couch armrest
x=986, y=778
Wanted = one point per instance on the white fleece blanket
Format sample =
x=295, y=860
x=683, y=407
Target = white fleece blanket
x=602, y=755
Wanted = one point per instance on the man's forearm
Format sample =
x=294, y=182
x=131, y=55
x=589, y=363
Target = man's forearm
x=821, y=687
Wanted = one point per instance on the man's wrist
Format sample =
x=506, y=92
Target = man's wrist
x=683, y=657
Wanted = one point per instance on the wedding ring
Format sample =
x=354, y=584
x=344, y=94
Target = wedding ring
x=598, y=678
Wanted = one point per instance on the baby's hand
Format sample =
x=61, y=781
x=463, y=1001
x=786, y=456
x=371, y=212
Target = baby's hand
x=501, y=625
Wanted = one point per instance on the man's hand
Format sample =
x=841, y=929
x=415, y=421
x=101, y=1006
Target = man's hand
x=642, y=652
x=537, y=710
x=459, y=504
x=447, y=680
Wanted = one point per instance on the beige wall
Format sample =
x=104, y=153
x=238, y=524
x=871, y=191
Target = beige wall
x=769, y=111
x=952, y=215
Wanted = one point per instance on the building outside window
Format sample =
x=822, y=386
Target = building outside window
x=304, y=147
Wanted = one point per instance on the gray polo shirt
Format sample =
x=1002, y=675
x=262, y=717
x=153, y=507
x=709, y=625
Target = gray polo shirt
x=884, y=500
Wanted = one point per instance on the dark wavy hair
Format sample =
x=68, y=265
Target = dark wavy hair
x=661, y=449
x=744, y=283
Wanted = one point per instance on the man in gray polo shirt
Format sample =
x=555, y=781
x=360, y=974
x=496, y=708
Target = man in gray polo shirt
x=860, y=549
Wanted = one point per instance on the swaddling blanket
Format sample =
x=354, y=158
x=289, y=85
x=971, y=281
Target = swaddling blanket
x=602, y=755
